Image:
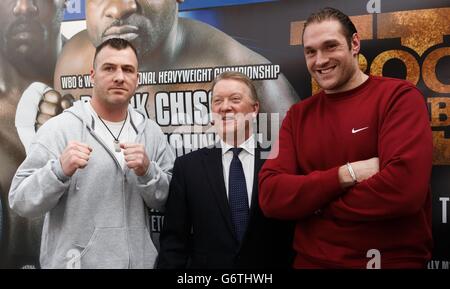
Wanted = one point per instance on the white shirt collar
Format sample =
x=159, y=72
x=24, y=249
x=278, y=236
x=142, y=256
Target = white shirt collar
x=248, y=145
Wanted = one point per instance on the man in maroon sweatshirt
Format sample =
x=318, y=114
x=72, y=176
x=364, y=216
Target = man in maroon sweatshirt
x=353, y=162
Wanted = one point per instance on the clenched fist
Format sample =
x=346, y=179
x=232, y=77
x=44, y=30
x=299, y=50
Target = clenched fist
x=75, y=156
x=135, y=157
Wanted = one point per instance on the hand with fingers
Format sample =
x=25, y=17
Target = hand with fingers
x=362, y=170
x=75, y=156
x=366, y=168
x=136, y=157
x=51, y=105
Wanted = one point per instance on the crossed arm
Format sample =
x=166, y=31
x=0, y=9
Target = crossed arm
x=394, y=183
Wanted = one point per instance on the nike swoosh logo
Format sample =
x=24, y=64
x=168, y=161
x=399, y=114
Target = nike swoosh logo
x=359, y=129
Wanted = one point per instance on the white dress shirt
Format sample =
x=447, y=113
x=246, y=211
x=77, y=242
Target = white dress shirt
x=247, y=157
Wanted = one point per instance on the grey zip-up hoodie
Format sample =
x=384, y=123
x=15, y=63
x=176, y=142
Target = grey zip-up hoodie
x=98, y=217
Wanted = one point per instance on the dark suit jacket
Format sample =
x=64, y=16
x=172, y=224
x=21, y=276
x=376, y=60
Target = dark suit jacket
x=198, y=231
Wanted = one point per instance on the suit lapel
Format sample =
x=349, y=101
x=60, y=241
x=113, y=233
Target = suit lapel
x=212, y=163
x=258, y=165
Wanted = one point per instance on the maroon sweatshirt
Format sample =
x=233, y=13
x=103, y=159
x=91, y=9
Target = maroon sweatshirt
x=389, y=212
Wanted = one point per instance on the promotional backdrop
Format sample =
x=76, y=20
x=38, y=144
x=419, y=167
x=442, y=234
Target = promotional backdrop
x=402, y=39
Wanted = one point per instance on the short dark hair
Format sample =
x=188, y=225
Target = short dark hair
x=239, y=77
x=116, y=43
x=329, y=13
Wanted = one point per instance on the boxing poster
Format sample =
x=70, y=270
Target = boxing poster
x=47, y=48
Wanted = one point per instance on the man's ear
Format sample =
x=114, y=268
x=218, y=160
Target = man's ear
x=356, y=44
x=256, y=107
x=92, y=76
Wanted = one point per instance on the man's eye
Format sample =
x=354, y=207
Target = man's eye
x=332, y=46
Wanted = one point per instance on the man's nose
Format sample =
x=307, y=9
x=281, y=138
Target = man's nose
x=225, y=106
x=321, y=58
x=25, y=8
x=118, y=76
x=121, y=9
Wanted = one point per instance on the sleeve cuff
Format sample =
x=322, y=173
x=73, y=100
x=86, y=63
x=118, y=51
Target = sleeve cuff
x=152, y=173
x=58, y=171
x=330, y=181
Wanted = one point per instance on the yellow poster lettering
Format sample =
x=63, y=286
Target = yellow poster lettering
x=429, y=70
x=418, y=29
x=412, y=66
x=441, y=149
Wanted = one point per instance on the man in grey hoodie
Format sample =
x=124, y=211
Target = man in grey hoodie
x=93, y=171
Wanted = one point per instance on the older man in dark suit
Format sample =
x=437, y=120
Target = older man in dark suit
x=213, y=219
